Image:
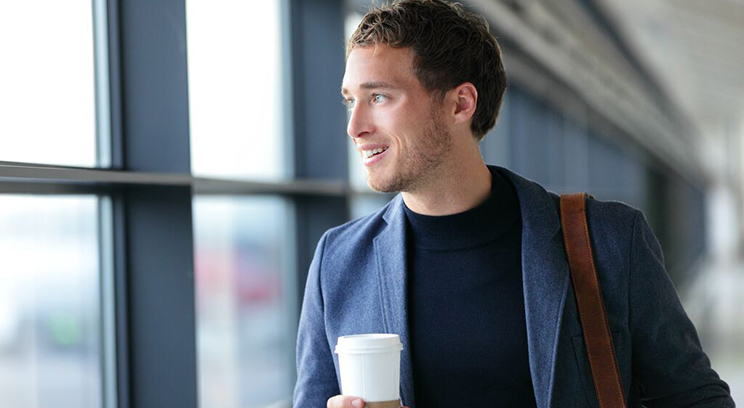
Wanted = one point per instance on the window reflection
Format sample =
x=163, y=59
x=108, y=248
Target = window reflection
x=47, y=82
x=49, y=302
x=363, y=205
x=235, y=88
x=245, y=340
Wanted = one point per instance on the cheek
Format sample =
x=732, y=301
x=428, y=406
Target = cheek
x=404, y=124
x=394, y=128
x=399, y=136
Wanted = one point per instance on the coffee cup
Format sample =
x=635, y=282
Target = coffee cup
x=369, y=365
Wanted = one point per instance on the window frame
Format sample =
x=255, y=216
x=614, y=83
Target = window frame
x=144, y=174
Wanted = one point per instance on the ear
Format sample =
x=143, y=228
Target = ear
x=466, y=100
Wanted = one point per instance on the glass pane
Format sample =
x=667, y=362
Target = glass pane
x=47, y=82
x=50, y=334
x=235, y=88
x=244, y=319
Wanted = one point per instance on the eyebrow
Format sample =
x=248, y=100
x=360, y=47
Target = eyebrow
x=371, y=85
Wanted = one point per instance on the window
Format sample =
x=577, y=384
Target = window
x=245, y=316
x=47, y=82
x=235, y=89
x=124, y=265
x=50, y=315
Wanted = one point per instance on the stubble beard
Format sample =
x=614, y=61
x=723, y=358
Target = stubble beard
x=416, y=168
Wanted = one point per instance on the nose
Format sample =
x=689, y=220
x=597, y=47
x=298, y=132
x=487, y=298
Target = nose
x=360, y=122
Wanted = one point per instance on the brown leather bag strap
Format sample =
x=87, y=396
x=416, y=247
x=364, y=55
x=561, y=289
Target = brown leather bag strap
x=597, y=337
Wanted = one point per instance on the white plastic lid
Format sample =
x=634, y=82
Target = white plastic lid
x=369, y=343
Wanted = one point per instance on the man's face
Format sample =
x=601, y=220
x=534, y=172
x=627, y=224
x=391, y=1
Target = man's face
x=395, y=123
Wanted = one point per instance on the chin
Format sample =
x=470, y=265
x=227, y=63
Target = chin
x=385, y=185
x=377, y=185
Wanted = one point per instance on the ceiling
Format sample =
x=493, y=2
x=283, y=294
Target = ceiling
x=695, y=49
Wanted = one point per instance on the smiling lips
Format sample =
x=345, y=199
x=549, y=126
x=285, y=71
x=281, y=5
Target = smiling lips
x=369, y=153
x=372, y=154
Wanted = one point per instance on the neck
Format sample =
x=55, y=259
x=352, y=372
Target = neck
x=455, y=188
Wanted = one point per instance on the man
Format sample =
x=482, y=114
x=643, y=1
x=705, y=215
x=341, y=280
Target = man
x=467, y=264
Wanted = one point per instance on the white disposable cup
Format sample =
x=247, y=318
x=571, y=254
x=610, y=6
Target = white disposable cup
x=370, y=366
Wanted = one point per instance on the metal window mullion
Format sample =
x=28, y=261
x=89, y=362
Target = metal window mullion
x=156, y=220
x=115, y=289
x=14, y=176
x=115, y=131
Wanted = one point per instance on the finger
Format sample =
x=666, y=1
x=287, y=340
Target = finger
x=345, y=401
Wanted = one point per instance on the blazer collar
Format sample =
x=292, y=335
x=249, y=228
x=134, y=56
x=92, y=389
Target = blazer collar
x=545, y=279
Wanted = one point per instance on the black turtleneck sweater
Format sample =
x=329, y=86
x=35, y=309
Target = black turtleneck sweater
x=467, y=329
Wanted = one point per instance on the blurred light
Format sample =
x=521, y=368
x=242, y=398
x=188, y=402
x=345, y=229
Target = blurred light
x=235, y=89
x=47, y=82
x=50, y=331
x=244, y=323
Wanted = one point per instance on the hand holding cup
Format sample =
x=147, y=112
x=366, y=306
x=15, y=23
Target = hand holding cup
x=369, y=366
x=345, y=401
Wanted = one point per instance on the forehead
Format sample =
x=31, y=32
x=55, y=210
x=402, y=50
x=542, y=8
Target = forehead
x=380, y=64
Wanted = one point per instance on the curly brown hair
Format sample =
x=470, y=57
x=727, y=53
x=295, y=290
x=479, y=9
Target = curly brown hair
x=451, y=46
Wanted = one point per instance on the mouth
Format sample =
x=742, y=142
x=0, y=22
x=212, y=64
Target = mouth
x=374, y=155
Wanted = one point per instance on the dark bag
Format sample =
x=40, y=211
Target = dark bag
x=597, y=338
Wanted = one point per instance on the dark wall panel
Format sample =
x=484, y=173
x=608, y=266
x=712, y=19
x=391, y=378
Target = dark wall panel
x=561, y=153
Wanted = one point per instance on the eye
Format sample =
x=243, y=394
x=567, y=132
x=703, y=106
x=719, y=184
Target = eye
x=348, y=102
x=379, y=98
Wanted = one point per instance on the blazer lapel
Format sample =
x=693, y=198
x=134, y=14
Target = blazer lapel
x=545, y=277
x=390, y=253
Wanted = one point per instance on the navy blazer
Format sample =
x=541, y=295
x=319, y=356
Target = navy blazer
x=357, y=284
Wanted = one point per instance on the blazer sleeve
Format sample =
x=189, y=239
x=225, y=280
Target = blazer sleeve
x=316, y=374
x=669, y=364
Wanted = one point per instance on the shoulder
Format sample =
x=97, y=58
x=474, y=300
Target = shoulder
x=613, y=215
x=612, y=227
x=607, y=215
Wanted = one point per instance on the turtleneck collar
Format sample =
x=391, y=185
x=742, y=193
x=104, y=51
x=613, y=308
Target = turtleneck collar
x=478, y=226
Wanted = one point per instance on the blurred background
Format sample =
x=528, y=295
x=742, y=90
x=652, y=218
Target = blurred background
x=167, y=167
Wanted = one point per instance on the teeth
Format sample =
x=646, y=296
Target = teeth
x=369, y=153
